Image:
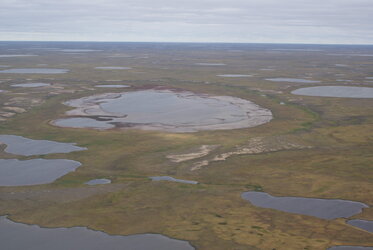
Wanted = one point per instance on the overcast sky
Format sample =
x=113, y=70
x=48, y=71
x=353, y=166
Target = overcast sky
x=252, y=21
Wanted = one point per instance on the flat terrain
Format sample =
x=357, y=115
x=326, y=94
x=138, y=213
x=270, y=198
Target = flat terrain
x=319, y=147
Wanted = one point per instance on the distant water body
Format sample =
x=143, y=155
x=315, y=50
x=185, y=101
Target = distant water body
x=34, y=71
x=16, y=236
x=336, y=91
x=322, y=208
x=24, y=146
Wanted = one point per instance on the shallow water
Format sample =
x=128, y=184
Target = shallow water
x=23, y=146
x=166, y=111
x=336, y=91
x=15, y=236
x=293, y=80
x=168, y=178
x=321, y=208
x=113, y=68
x=14, y=172
x=363, y=224
x=234, y=75
x=76, y=122
x=34, y=71
x=112, y=86
x=175, y=109
x=31, y=85
x=98, y=181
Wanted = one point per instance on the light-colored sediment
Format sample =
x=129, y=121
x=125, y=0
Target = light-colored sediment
x=15, y=109
x=7, y=114
x=255, y=145
x=202, y=151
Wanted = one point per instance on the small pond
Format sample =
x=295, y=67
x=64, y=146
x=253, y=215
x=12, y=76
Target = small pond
x=336, y=91
x=321, y=208
x=98, y=182
x=14, y=172
x=15, y=236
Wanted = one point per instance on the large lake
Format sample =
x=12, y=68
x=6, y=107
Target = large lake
x=16, y=236
x=166, y=111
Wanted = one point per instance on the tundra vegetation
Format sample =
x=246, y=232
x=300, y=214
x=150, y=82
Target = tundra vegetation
x=314, y=147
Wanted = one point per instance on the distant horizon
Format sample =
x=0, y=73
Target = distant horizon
x=333, y=22
x=186, y=42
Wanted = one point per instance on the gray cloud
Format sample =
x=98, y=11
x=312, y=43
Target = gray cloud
x=305, y=21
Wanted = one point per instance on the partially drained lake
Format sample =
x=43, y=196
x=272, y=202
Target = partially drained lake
x=336, y=91
x=14, y=172
x=164, y=110
x=15, y=236
x=23, y=146
x=321, y=208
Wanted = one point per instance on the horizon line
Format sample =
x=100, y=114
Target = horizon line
x=280, y=43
